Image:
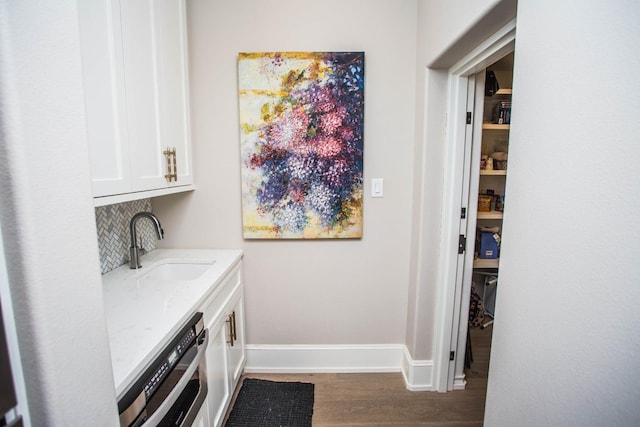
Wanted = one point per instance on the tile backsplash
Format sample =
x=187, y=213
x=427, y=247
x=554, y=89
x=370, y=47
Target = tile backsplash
x=114, y=239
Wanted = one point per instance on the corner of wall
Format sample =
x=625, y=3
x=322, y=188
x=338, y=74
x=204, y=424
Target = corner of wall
x=418, y=374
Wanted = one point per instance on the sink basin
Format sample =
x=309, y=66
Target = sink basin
x=178, y=270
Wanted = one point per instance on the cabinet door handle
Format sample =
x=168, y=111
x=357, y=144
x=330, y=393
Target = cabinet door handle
x=175, y=166
x=233, y=318
x=172, y=171
x=229, y=321
x=167, y=155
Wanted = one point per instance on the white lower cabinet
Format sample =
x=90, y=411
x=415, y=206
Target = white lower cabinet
x=236, y=352
x=226, y=354
x=217, y=376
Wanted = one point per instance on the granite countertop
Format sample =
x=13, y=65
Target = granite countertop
x=142, y=315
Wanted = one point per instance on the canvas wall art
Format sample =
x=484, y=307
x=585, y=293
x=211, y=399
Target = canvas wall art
x=301, y=131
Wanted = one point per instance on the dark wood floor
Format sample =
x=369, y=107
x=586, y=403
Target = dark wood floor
x=381, y=399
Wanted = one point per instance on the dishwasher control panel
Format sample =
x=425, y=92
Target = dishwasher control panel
x=172, y=358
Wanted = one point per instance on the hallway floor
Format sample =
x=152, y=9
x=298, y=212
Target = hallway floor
x=381, y=399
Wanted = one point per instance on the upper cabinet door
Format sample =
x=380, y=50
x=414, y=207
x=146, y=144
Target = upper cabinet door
x=156, y=84
x=103, y=74
x=142, y=86
x=173, y=65
x=138, y=96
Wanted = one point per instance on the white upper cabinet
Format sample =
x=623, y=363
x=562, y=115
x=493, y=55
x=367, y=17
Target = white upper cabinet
x=135, y=66
x=106, y=112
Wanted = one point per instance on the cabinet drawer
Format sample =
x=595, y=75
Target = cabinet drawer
x=214, y=304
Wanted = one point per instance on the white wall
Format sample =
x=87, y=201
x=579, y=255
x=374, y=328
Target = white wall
x=566, y=344
x=453, y=19
x=47, y=217
x=306, y=292
x=451, y=29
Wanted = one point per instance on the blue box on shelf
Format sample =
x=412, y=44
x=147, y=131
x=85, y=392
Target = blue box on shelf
x=488, y=245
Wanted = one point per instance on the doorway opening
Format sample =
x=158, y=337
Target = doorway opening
x=484, y=193
x=459, y=211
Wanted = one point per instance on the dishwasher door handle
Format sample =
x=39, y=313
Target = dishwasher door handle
x=163, y=409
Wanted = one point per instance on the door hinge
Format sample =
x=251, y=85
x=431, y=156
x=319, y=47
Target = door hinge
x=462, y=244
x=463, y=213
x=468, y=117
x=452, y=355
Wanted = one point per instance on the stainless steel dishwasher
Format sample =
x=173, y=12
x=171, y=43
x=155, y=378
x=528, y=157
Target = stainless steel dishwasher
x=170, y=392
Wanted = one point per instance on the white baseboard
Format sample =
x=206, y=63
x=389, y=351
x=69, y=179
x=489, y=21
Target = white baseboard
x=418, y=374
x=459, y=383
x=323, y=358
x=340, y=358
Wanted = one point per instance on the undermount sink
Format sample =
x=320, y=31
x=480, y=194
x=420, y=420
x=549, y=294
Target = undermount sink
x=183, y=270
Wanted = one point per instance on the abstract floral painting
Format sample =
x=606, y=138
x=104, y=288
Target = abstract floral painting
x=301, y=127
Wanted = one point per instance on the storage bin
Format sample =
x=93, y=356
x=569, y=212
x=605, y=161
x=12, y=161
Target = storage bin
x=502, y=113
x=499, y=160
x=484, y=203
x=488, y=247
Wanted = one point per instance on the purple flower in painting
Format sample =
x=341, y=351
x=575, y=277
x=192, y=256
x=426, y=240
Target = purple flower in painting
x=300, y=167
x=322, y=200
x=335, y=172
x=289, y=132
x=332, y=121
x=327, y=146
x=291, y=217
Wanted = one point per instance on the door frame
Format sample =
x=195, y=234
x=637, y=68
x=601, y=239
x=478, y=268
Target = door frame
x=454, y=189
x=467, y=223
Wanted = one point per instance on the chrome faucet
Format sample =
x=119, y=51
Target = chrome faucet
x=134, y=250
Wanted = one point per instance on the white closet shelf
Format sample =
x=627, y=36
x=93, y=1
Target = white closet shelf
x=486, y=263
x=504, y=92
x=493, y=172
x=494, y=126
x=490, y=215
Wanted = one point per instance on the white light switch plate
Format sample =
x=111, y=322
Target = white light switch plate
x=377, y=187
